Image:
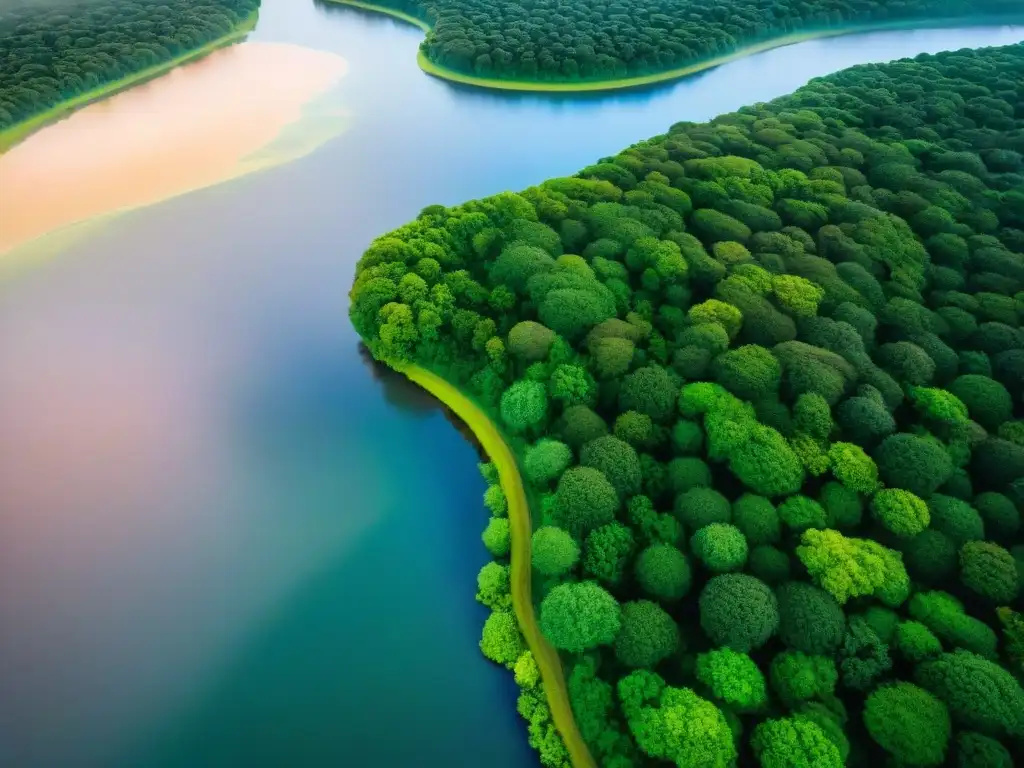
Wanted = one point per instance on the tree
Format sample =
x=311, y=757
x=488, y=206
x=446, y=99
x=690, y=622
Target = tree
x=576, y=617
x=989, y=571
x=975, y=750
x=846, y=567
x=721, y=547
x=757, y=518
x=944, y=615
x=584, y=500
x=649, y=390
x=616, y=460
x=524, y=406
x=553, y=551
x=909, y=723
x=738, y=611
x=545, y=461
x=853, y=468
x=572, y=385
x=501, y=641
x=797, y=677
x=810, y=619
x=497, y=536
x=733, y=678
x=579, y=425
x=750, y=372
x=699, y=506
x=980, y=694
x=956, y=519
x=493, y=586
x=901, y=512
x=608, y=551
x=1000, y=517
x=648, y=635
x=916, y=642
x=987, y=400
x=913, y=463
x=663, y=573
x=794, y=743
x=800, y=513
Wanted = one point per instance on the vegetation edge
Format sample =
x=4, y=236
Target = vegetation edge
x=499, y=452
x=594, y=86
x=9, y=137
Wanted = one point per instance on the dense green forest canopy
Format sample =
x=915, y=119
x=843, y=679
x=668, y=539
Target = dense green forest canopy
x=552, y=40
x=765, y=379
x=53, y=50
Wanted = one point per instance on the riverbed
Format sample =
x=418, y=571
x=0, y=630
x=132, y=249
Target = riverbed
x=226, y=539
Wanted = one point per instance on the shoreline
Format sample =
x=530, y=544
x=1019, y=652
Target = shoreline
x=18, y=132
x=639, y=81
x=544, y=654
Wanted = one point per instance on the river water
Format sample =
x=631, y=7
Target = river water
x=226, y=540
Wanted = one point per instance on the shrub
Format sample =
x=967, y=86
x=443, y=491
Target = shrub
x=909, y=723
x=847, y=567
x=931, y=557
x=607, y=552
x=501, y=641
x=906, y=362
x=945, y=616
x=578, y=616
x=794, y=743
x=843, y=507
x=553, y=551
x=997, y=463
x=687, y=473
x=914, y=463
x=733, y=678
x=900, y=511
x=649, y=390
x=524, y=406
x=810, y=619
x=812, y=415
x=497, y=536
x=750, y=372
x=989, y=571
x=980, y=694
x=585, y=500
x=865, y=420
x=698, y=507
x=721, y=547
x=579, y=425
x=637, y=429
x=797, y=677
x=1000, y=517
x=769, y=564
x=493, y=586
x=687, y=437
x=648, y=635
x=987, y=400
x=975, y=750
x=916, y=642
x=738, y=611
x=663, y=572
x=801, y=513
x=617, y=461
x=756, y=517
x=530, y=341
x=546, y=461
x=955, y=518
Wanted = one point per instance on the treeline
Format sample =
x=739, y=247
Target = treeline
x=53, y=51
x=765, y=379
x=553, y=40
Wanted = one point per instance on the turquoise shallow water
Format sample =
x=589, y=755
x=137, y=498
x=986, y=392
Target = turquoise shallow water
x=225, y=539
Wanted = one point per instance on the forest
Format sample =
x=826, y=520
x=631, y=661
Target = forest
x=556, y=40
x=54, y=50
x=764, y=379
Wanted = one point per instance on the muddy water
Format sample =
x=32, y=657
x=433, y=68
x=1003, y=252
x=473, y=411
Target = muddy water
x=204, y=123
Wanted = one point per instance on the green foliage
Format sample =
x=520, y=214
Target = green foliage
x=637, y=429
x=915, y=641
x=497, y=537
x=955, y=518
x=975, y=750
x=843, y=507
x=648, y=635
x=987, y=400
x=931, y=557
x=649, y=390
x=663, y=572
x=501, y=641
x=738, y=611
x=698, y=507
x=616, y=460
x=524, y=406
x=1000, y=517
x=909, y=723
x=553, y=551
x=810, y=619
x=757, y=518
x=579, y=425
x=769, y=564
x=945, y=616
x=527, y=673
x=980, y=694
x=608, y=551
x=545, y=461
x=493, y=587
x=864, y=657
x=720, y=547
x=572, y=385
x=989, y=571
x=914, y=463
x=797, y=677
x=794, y=743
x=750, y=372
x=901, y=512
x=813, y=416
x=733, y=678
x=578, y=616
x=585, y=500
x=865, y=420
x=687, y=437
x=495, y=501
x=846, y=567
x=800, y=513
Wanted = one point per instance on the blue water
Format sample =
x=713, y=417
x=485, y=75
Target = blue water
x=225, y=540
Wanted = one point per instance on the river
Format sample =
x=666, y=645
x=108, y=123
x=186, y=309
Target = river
x=227, y=540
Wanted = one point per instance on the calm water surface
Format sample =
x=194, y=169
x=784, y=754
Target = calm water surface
x=224, y=540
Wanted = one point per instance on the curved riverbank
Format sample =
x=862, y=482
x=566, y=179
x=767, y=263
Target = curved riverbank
x=640, y=81
x=522, y=530
x=20, y=131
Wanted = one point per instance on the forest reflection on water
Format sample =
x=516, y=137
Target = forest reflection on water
x=241, y=109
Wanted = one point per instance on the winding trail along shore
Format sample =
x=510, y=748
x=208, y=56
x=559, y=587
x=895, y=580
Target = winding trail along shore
x=20, y=131
x=585, y=86
x=522, y=530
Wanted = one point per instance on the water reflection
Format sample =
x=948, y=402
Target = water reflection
x=201, y=124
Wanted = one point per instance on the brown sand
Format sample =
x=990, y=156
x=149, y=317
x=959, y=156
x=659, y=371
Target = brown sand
x=197, y=126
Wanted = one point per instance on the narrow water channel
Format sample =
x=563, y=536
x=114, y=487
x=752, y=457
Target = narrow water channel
x=225, y=539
